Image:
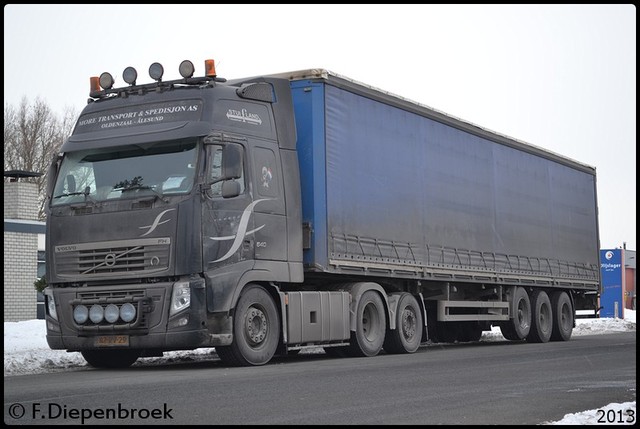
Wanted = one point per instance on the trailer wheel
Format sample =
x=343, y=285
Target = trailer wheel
x=542, y=319
x=562, y=316
x=371, y=325
x=518, y=327
x=111, y=358
x=408, y=333
x=256, y=330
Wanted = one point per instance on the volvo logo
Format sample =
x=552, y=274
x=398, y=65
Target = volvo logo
x=110, y=259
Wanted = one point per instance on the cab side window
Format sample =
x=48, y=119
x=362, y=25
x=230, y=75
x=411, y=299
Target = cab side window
x=215, y=171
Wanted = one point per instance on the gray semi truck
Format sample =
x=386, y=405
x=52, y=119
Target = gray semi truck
x=264, y=215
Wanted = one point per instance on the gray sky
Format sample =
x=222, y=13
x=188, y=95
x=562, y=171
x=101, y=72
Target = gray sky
x=561, y=77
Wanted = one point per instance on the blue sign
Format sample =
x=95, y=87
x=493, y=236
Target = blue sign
x=611, y=274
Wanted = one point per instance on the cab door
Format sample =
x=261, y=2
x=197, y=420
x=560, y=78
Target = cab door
x=228, y=224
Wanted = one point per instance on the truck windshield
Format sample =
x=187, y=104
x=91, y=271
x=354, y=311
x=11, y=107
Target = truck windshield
x=163, y=168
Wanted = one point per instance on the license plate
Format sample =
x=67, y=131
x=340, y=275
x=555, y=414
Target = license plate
x=112, y=340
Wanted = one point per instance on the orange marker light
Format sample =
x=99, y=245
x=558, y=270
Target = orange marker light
x=209, y=68
x=94, y=84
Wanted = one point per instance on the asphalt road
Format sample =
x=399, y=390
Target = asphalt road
x=482, y=383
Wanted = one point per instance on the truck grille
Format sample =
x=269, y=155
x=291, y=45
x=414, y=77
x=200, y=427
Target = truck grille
x=113, y=258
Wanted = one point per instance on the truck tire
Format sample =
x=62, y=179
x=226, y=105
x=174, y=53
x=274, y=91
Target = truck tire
x=562, y=316
x=371, y=325
x=256, y=330
x=111, y=358
x=518, y=327
x=542, y=319
x=407, y=336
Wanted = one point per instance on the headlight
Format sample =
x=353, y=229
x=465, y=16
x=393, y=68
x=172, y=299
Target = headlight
x=51, y=304
x=111, y=313
x=80, y=314
x=180, y=297
x=127, y=312
x=96, y=314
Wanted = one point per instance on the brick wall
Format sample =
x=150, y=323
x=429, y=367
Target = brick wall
x=20, y=200
x=20, y=271
x=20, y=253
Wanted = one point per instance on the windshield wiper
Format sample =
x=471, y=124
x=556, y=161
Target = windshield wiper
x=86, y=193
x=70, y=194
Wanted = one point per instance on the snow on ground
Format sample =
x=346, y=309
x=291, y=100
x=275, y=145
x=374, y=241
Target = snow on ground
x=26, y=352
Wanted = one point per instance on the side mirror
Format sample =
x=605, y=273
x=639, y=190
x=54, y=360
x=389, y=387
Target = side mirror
x=230, y=189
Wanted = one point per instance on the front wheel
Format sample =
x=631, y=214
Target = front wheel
x=256, y=329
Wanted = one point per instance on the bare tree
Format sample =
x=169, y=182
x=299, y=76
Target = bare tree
x=33, y=134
